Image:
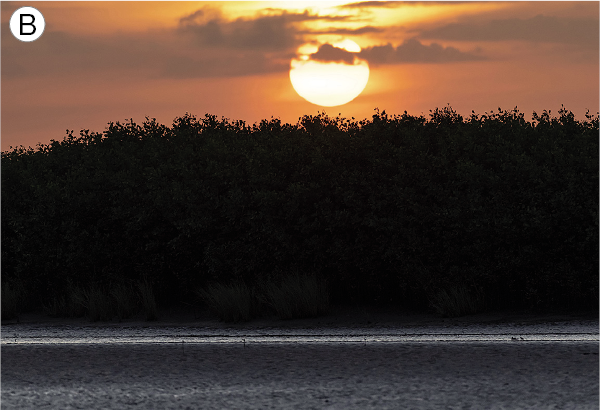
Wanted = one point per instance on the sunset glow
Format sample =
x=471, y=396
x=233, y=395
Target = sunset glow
x=99, y=62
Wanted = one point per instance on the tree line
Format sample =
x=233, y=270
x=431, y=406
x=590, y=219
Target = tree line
x=387, y=210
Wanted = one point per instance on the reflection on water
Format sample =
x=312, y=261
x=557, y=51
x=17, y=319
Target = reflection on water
x=586, y=331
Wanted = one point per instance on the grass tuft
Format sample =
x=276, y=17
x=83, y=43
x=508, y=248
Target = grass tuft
x=11, y=300
x=230, y=303
x=56, y=307
x=126, y=301
x=296, y=296
x=99, y=304
x=71, y=304
x=148, y=300
x=457, y=301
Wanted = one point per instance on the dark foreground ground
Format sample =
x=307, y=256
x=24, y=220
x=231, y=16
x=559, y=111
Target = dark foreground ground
x=399, y=375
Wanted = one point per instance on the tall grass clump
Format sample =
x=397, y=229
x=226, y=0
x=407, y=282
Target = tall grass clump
x=71, y=303
x=11, y=300
x=230, y=303
x=93, y=302
x=148, y=300
x=56, y=307
x=296, y=296
x=99, y=304
x=457, y=301
x=126, y=301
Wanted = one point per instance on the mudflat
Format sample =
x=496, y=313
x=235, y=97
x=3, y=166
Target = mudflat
x=372, y=376
x=229, y=375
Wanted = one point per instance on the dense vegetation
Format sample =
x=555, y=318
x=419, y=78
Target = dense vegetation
x=396, y=209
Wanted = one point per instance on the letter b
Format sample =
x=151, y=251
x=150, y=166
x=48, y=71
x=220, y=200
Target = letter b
x=21, y=32
x=27, y=24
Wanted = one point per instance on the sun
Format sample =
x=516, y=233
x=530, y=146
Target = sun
x=329, y=83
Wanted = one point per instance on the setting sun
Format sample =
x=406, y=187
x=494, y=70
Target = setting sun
x=329, y=83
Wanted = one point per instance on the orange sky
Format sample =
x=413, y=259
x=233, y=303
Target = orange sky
x=98, y=62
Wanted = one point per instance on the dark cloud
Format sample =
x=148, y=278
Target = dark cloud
x=394, y=4
x=371, y=4
x=159, y=56
x=263, y=33
x=412, y=51
x=234, y=65
x=539, y=28
x=204, y=45
x=329, y=53
x=192, y=18
x=346, y=31
x=306, y=15
x=58, y=52
x=274, y=32
x=245, y=46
